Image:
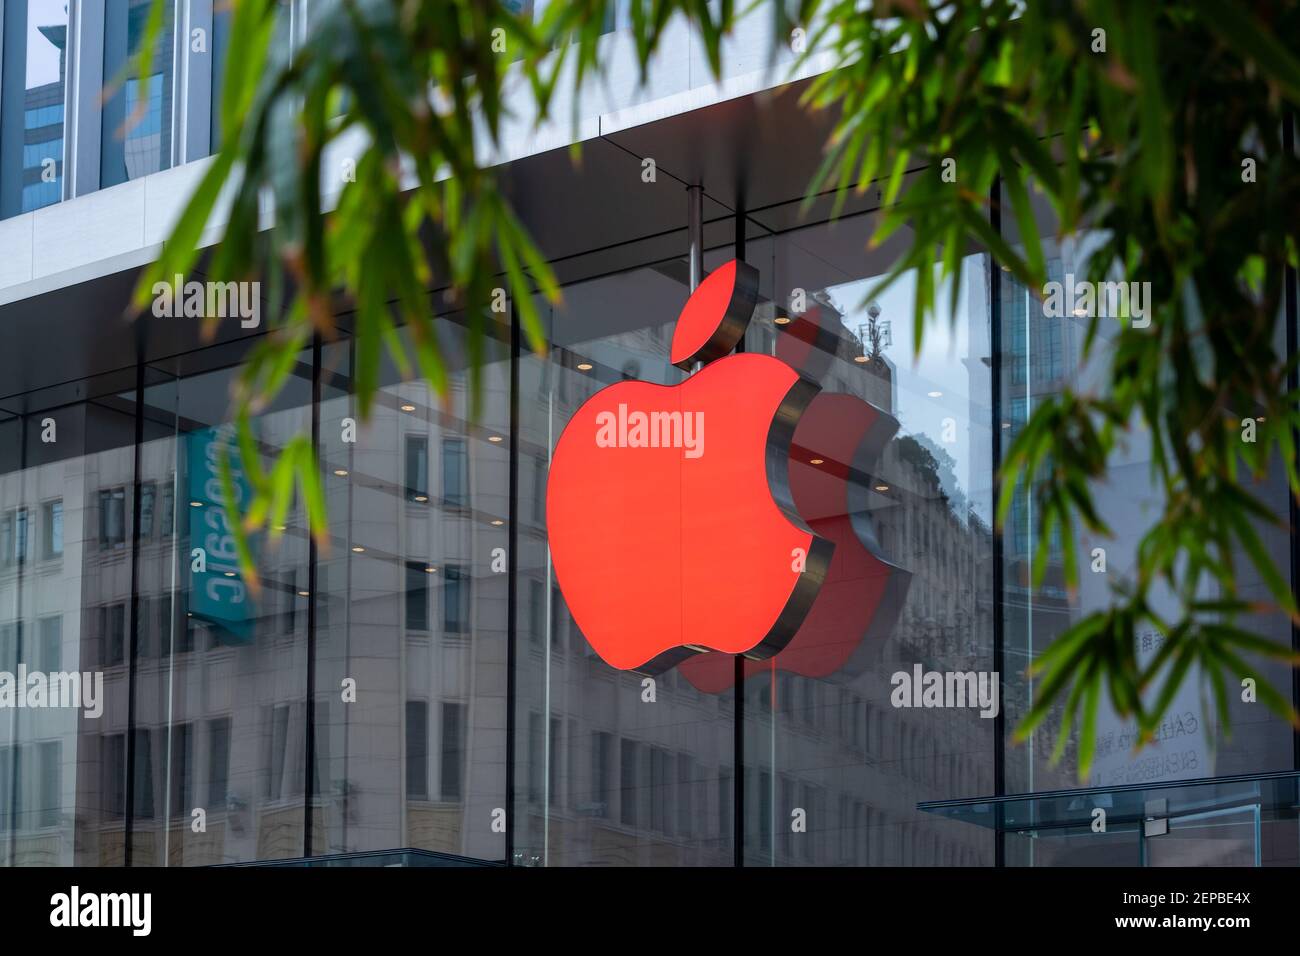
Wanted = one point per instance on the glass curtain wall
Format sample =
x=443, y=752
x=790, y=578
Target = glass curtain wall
x=356, y=697
x=1042, y=355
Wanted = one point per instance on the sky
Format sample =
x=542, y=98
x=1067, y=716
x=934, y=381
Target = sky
x=42, y=55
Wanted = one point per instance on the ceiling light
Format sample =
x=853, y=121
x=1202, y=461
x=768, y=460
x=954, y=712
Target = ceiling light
x=498, y=522
x=408, y=407
x=584, y=366
x=1006, y=424
x=782, y=320
x=430, y=570
x=230, y=574
x=935, y=394
x=341, y=472
x=494, y=438
x=860, y=359
x=196, y=504
x=358, y=549
x=818, y=461
x=422, y=498
x=304, y=594
x=882, y=487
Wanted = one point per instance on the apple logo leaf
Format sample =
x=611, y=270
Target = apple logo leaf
x=716, y=315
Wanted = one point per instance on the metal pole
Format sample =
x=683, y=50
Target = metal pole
x=695, y=232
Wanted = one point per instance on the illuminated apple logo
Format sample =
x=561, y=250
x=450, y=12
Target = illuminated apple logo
x=834, y=485
x=671, y=522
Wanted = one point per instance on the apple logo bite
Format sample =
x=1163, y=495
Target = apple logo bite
x=672, y=526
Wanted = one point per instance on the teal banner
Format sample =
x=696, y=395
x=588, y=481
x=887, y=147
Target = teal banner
x=219, y=595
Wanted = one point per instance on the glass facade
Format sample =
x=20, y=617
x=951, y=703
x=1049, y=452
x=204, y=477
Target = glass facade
x=417, y=683
x=415, y=686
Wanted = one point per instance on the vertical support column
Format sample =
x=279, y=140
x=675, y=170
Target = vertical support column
x=313, y=557
x=999, y=623
x=133, y=641
x=512, y=596
x=738, y=712
x=695, y=233
x=1289, y=292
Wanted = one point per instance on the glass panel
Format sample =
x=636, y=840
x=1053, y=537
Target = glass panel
x=63, y=759
x=31, y=110
x=1218, y=838
x=1043, y=337
x=221, y=675
x=890, y=462
x=611, y=770
x=412, y=608
x=137, y=120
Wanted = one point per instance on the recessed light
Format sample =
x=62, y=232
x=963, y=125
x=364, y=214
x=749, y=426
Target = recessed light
x=860, y=359
x=1006, y=424
x=341, y=472
x=935, y=394
x=782, y=320
x=818, y=461
x=497, y=522
x=230, y=574
x=882, y=487
x=358, y=549
x=584, y=366
x=422, y=498
x=304, y=594
x=196, y=504
x=494, y=438
x=408, y=407
x=430, y=570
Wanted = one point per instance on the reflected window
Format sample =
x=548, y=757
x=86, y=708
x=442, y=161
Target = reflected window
x=218, y=762
x=417, y=750
x=453, y=749
x=13, y=536
x=51, y=644
x=455, y=600
x=136, y=138
x=112, y=518
x=49, y=775
x=417, y=468
x=181, y=771
x=52, y=529
x=32, y=95
x=112, y=629
x=455, y=473
x=148, y=495
x=417, y=596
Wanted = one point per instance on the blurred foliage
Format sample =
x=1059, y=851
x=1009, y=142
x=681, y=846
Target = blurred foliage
x=1129, y=120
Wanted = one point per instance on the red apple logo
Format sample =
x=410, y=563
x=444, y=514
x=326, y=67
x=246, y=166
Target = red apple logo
x=673, y=529
x=863, y=592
